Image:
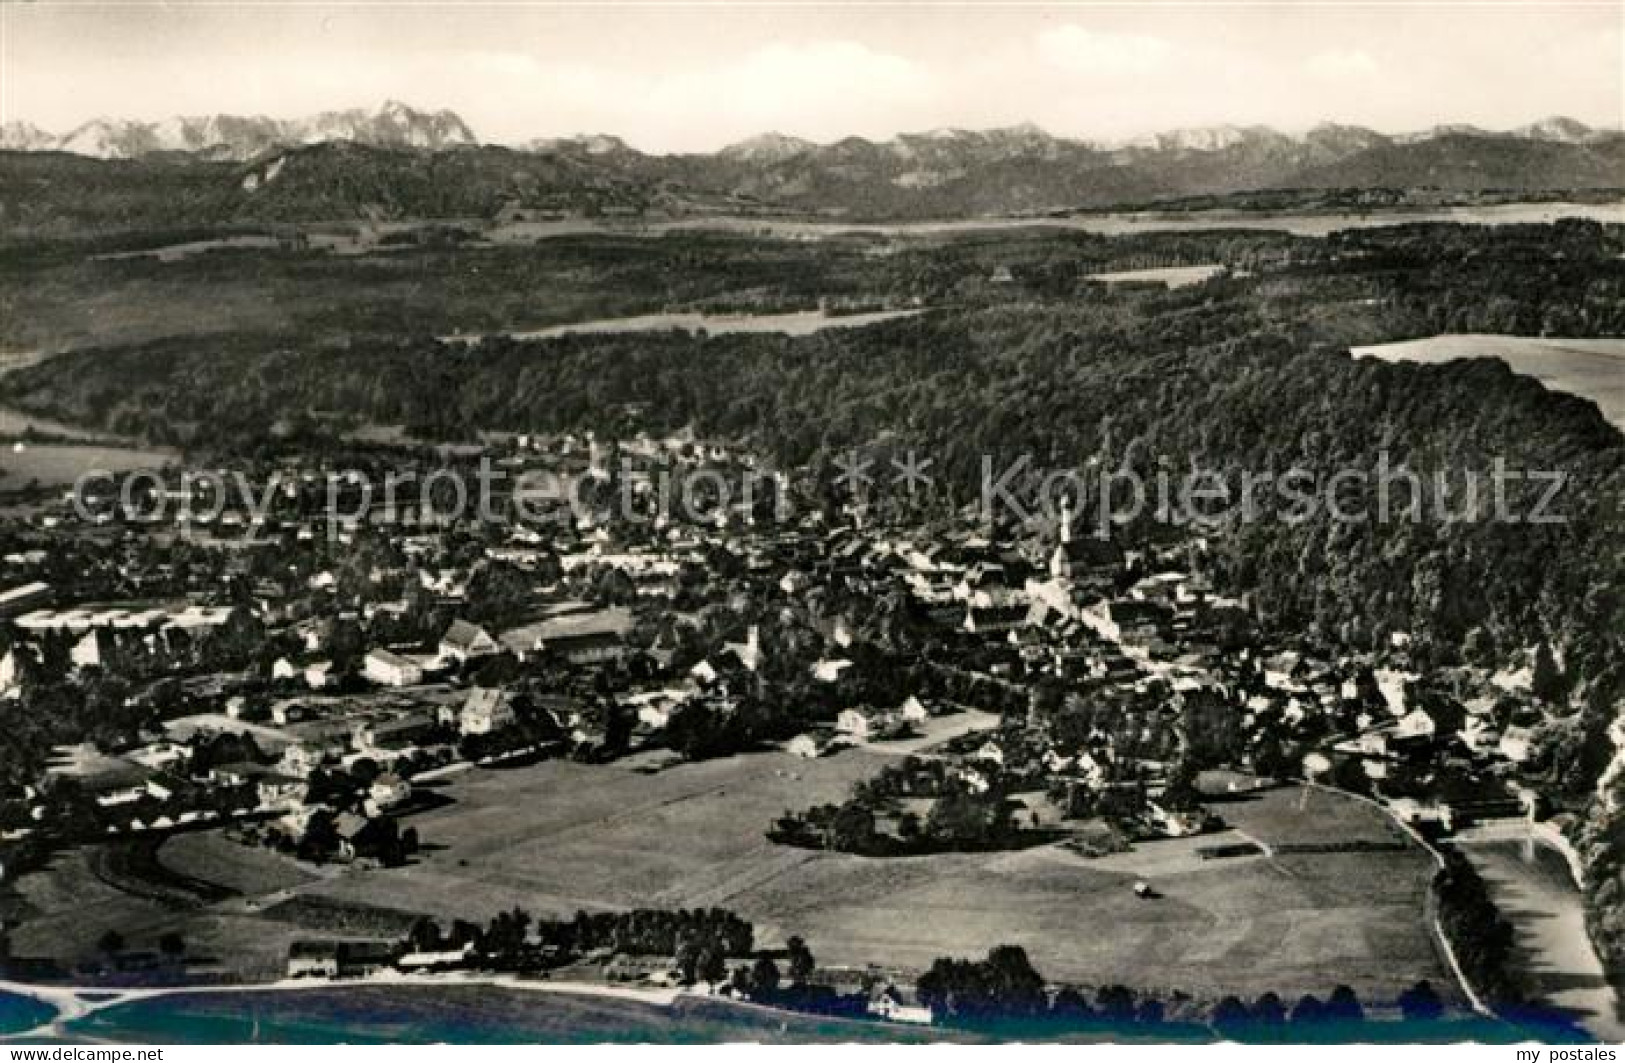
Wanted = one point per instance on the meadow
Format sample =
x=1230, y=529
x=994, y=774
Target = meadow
x=557, y=837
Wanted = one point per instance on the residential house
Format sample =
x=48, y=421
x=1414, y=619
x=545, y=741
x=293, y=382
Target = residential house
x=485, y=710
x=397, y=733
x=868, y=723
x=389, y=790
x=388, y=668
x=889, y=1003
x=464, y=641
x=1517, y=743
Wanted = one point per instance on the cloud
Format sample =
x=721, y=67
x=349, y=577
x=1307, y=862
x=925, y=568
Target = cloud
x=1346, y=65
x=1077, y=50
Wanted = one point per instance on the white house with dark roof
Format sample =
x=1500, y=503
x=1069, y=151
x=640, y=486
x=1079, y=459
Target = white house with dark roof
x=464, y=641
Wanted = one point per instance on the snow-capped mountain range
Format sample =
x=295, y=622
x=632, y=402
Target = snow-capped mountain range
x=395, y=124
x=232, y=137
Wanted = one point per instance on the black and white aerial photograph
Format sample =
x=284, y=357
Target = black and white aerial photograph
x=890, y=524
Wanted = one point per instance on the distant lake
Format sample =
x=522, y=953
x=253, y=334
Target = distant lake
x=1109, y=223
x=367, y=239
x=795, y=323
x=1590, y=368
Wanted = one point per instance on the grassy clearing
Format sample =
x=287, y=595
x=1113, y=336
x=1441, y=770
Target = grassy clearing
x=211, y=857
x=558, y=836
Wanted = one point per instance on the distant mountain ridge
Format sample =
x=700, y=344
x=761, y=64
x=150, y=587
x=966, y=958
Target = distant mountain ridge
x=222, y=136
x=396, y=124
x=397, y=162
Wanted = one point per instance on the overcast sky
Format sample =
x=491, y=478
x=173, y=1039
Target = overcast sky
x=697, y=77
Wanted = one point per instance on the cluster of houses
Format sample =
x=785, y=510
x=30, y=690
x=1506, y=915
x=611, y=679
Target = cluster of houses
x=1097, y=666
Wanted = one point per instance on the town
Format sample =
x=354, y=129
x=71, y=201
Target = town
x=279, y=681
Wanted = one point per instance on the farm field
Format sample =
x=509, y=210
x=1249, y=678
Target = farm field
x=560, y=836
x=212, y=857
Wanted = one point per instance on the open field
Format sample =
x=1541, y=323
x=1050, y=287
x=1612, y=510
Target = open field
x=560, y=836
x=1590, y=368
x=465, y=1015
x=211, y=856
x=1172, y=276
x=60, y=465
x=1296, y=816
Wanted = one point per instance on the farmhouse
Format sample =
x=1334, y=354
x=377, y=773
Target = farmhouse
x=465, y=642
x=485, y=710
x=338, y=959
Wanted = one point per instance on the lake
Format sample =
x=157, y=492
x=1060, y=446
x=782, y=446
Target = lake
x=367, y=239
x=19, y=1013
x=1109, y=223
x=1590, y=368
x=380, y=1014
x=794, y=323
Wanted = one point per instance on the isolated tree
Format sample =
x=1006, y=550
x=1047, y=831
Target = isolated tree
x=764, y=976
x=1070, y=1006
x=111, y=942
x=1115, y=1003
x=172, y=944
x=801, y=960
x=711, y=966
x=425, y=935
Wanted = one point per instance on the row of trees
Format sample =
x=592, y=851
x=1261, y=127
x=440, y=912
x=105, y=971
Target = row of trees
x=1004, y=988
x=700, y=940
